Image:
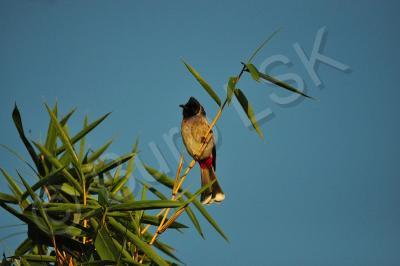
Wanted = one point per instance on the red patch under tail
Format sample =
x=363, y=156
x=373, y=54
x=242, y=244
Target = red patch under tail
x=206, y=163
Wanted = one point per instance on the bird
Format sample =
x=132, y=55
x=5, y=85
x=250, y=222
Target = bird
x=194, y=128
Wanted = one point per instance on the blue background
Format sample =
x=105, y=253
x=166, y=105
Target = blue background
x=322, y=189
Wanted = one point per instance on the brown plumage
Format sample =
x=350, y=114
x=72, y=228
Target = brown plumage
x=194, y=128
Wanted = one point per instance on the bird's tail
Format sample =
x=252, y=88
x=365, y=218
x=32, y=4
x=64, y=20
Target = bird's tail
x=213, y=193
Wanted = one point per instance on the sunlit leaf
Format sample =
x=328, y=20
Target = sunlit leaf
x=58, y=164
x=83, y=132
x=111, y=165
x=248, y=109
x=253, y=71
x=283, y=84
x=83, y=141
x=203, y=83
x=144, y=205
x=15, y=188
x=96, y=154
x=231, y=88
x=64, y=137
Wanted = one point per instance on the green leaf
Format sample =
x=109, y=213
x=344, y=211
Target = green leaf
x=38, y=203
x=262, y=46
x=166, y=250
x=67, y=207
x=248, y=109
x=53, y=160
x=54, y=177
x=65, y=119
x=105, y=246
x=51, y=138
x=207, y=216
x=144, y=205
x=203, y=83
x=96, y=154
x=153, y=190
x=39, y=258
x=154, y=220
x=83, y=132
x=18, y=124
x=126, y=256
x=8, y=198
x=64, y=137
x=16, y=154
x=111, y=165
x=193, y=219
x=283, y=85
x=253, y=71
x=231, y=88
x=146, y=248
x=24, y=247
x=129, y=169
x=83, y=141
x=15, y=188
x=103, y=197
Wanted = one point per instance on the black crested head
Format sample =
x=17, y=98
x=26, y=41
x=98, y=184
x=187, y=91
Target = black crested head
x=192, y=108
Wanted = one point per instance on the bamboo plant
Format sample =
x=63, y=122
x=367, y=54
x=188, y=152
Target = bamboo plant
x=80, y=209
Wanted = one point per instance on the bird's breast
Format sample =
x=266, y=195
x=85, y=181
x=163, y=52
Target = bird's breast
x=193, y=131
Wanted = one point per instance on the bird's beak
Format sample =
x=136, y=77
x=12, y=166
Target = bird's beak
x=182, y=105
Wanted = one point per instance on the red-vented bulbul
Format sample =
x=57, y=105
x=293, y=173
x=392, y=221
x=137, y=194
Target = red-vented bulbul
x=194, y=128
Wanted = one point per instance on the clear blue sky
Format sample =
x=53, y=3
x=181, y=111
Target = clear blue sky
x=321, y=190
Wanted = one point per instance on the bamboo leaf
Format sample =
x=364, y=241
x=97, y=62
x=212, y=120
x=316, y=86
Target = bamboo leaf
x=15, y=188
x=83, y=141
x=169, y=182
x=64, y=137
x=262, y=46
x=146, y=248
x=203, y=83
x=39, y=258
x=105, y=246
x=65, y=119
x=129, y=169
x=16, y=154
x=53, y=160
x=166, y=250
x=51, y=179
x=283, y=85
x=126, y=256
x=144, y=205
x=51, y=138
x=24, y=247
x=18, y=124
x=253, y=71
x=153, y=190
x=37, y=201
x=231, y=88
x=96, y=154
x=193, y=219
x=111, y=165
x=83, y=132
x=8, y=198
x=248, y=109
x=154, y=220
